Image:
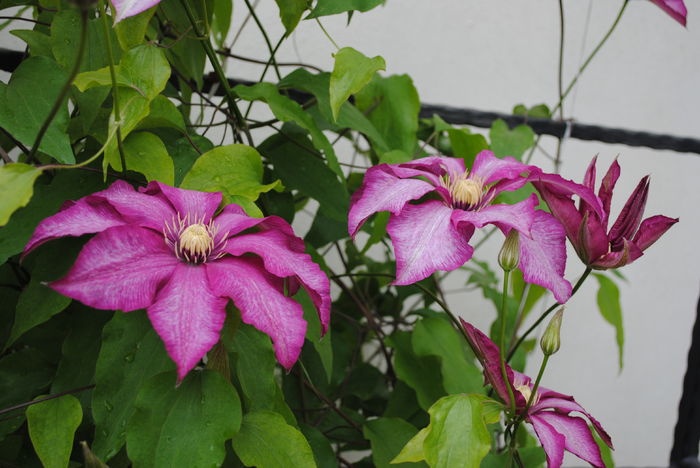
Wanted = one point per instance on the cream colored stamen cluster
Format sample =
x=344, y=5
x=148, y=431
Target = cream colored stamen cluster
x=526, y=392
x=196, y=241
x=193, y=241
x=466, y=192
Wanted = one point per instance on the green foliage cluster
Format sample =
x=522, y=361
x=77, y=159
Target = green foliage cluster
x=392, y=382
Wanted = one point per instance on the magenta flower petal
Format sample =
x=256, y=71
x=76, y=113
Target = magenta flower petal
x=592, y=240
x=628, y=221
x=577, y=435
x=436, y=165
x=566, y=404
x=651, y=229
x=552, y=441
x=284, y=256
x=117, y=205
x=199, y=206
x=543, y=256
x=607, y=186
x=258, y=296
x=85, y=216
x=628, y=253
x=188, y=316
x=488, y=354
x=120, y=268
x=518, y=216
x=426, y=240
x=381, y=190
x=675, y=8
x=589, y=176
x=490, y=168
x=127, y=8
x=561, y=187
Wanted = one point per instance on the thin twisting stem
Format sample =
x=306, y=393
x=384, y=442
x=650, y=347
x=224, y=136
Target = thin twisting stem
x=66, y=87
x=251, y=9
x=590, y=57
x=517, y=344
x=115, y=87
x=502, y=344
x=214, y=60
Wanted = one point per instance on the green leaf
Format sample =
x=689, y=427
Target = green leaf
x=163, y=114
x=466, y=145
x=47, y=199
x=267, y=441
x=392, y=105
x=65, y=35
x=101, y=77
x=351, y=72
x=290, y=12
x=287, y=110
x=23, y=374
x=321, y=446
x=52, y=425
x=146, y=67
x=133, y=108
x=387, y=437
x=506, y=142
x=36, y=305
x=301, y=171
x=38, y=42
x=184, y=154
x=131, y=31
x=26, y=101
x=436, y=337
x=235, y=170
x=16, y=188
x=349, y=116
x=609, y=306
x=456, y=437
x=333, y=7
x=221, y=22
x=421, y=373
x=413, y=450
x=183, y=426
x=255, y=368
x=322, y=344
x=145, y=153
x=131, y=353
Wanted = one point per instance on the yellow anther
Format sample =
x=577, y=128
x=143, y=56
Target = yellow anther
x=526, y=392
x=196, y=241
x=466, y=192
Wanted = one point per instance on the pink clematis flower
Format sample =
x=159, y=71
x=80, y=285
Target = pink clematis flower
x=586, y=227
x=126, y=8
x=675, y=8
x=434, y=234
x=550, y=412
x=162, y=249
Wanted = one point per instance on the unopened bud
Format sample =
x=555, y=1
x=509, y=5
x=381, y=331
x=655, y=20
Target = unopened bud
x=550, y=341
x=509, y=256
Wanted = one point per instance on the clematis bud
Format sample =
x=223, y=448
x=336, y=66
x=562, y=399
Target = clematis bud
x=509, y=256
x=550, y=341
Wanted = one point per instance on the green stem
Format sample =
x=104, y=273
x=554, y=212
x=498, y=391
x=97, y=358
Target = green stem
x=214, y=60
x=578, y=284
x=502, y=344
x=265, y=36
x=66, y=87
x=115, y=87
x=560, y=82
x=590, y=57
x=320, y=25
x=530, y=400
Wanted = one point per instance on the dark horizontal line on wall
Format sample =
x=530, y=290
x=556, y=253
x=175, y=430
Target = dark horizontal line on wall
x=10, y=59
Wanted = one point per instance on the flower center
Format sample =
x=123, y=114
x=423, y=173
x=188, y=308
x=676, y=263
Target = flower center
x=526, y=392
x=193, y=241
x=466, y=192
x=196, y=242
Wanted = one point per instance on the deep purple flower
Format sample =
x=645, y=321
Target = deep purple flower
x=587, y=228
x=675, y=8
x=162, y=249
x=126, y=8
x=550, y=412
x=434, y=234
